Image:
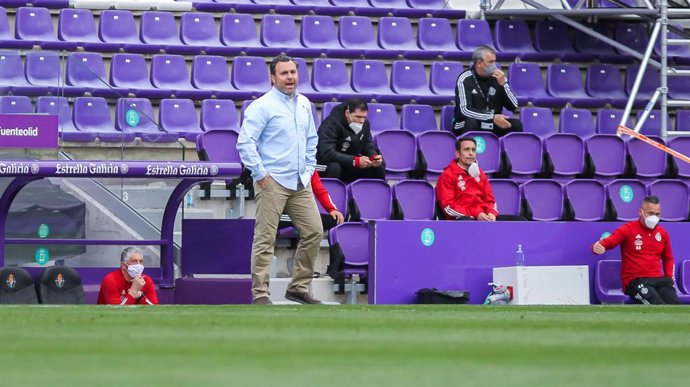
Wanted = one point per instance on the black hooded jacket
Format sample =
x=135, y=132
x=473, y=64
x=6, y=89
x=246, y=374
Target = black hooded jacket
x=339, y=143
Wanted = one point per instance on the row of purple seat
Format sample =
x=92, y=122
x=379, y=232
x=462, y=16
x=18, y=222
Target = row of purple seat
x=607, y=282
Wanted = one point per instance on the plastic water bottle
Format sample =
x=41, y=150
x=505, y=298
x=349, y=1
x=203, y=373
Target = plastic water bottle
x=189, y=199
x=520, y=257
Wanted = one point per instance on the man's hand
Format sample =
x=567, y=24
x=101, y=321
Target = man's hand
x=137, y=284
x=483, y=217
x=501, y=121
x=377, y=161
x=338, y=216
x=491, y=216
x=263, y=183
x=500, y=77
x=365, y=162
x=598, y=249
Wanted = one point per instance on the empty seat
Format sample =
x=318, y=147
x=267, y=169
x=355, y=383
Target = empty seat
x=587, y=44
x=673, y=195
x=250, y=74
x=357, y=33
x=567, y=154
x=91, y=114
x=86, y=72
x=179, y=116
x=370, y=199
x=512, y=36
x=523, y=152
x=473, y=33
x=60, y=285
x=409, y=78
x=438, y=150
x=551, y=36
x=337, y=190
x=349, y=253
x=544, y=198
x=418, y=118
x=436, y=35
x=587, y=199
x=199, y=29
x=369, y=77
x=447, y=115
x=604, y=81
x=633, y=36
x=319, y=32
x=119, y=27
x=16, y=286
x=12, y=73
x=218, y=114
x=77, y=25
x=238, y=30
x=679, y=87
x=684, y=276
x=160, y=29
x=34, y=24
x=414, y=199
x=7, y=36
x=538, y=121
x=652, y=125
x=129, y=72
x=488, y=150
x=135, y=115
x=219, y=146
x=15, y=105
x=443, y=77
x=608, y=121
x=565, y=81
x=170, y=72
x=678, y=53
x=507, y=195
x=607, y=154
x=650, y=82
x=330, y=76
x=576, y=121
x=399, y=150
x=59, y=106
x=280, y=31
x=381, y=116
x=395, y=34
x=437, y=8
x=682, y=145
x=210, y=72
x=625, y=197
x=528, y=85
x=43, y=71
x=649, y=161
x=607, y=282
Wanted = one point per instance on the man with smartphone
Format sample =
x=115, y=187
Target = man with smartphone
x=345, y=146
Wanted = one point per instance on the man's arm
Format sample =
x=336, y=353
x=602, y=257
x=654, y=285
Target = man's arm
x=111, y=293
x=252, y=126
x=328, y=141
x=312, y=141
x=667, y=258
x=150, y=297
x=613, y=240
x=489, y=199
x=321, y=193
x=510, y=101
x=467, y=108
x=445, y=194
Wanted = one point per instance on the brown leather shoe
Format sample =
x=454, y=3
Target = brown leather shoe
x=302, y=298
x=262, y=301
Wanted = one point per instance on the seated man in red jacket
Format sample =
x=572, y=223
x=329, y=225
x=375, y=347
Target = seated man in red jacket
x=463, y=190
x=128, y=285
x=645, y=254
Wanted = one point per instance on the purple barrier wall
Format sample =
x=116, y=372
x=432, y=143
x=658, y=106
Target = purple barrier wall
x=217, y=246
x=461, y=255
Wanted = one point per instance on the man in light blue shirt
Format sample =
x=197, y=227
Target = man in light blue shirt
x=277, y=143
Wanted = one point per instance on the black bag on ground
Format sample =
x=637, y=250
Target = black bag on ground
x=435, y=296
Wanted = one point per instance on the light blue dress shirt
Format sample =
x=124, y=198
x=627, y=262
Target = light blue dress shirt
x=278, y=137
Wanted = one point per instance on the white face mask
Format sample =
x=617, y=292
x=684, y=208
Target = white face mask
x=357, y=127
x=651, y=221
x=473, y=169
x=135, y=270
x=491, y=68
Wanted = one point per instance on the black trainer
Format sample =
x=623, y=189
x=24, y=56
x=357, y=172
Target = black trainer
x=302, y=298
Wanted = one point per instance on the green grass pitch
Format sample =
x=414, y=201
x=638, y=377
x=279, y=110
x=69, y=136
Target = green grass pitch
x=345, y=346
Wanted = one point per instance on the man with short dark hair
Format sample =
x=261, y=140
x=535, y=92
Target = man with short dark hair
x=481, y=93
x=645, y=253
x=463, y=190
x=128, y=285
x=345, y=145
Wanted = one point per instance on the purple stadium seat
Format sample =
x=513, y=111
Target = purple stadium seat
x=91, y=114
x=607, y=282
x=604, y=81
x=238, y=30
x=15, y=105
x=245, y=103
x=330, y=76
x=488, y=150
x=219, y=114
x=319, y=32
x=399, y=150
x=371, y=199
x=219, y=146
x=587, y=199
x=634, y=36
x=679, y=87
x=551, y=36
x=684, y=276
x=395, y=34
x=436, y=35
x=447, y=114
x=678, y=53
x=12, y=73
x=437, y=8
x=626, y=197
x=337, y=190
x=416, y=199
x=473, y=33
x=119, y=27
x=170, y=72
x=86, y=72
x=357, y=33
x=210, y=72
x=129, y=72
x=59, y=106
x=7, y=39
x=673, y=195
x=567, y=154
x=507, y=195
x=524, y=153
x=250, y=74
x=528, y=86
x=159, y=29
x=77, y=25
x=280, y=31
x=179, y=116
x=609, y=119
x=650, y=82
x=305, y=85
x=382, y=116
x=607, y=153
x=351, y=242
x=565, y=81
x=409, y=78
x=538, y=121
x=438, y=149
x=418, y=118
x=652, y=125
x=512, y=36
x=43, y=71
x=545, y=199
x=199, y=29
x=369, y=77
x=327, y=107
x=35, y=24
x=576, y=121
x=135, y=115
x=399, y=8
x=443, y=77
x=682, y=145
x=587, y=44
x=649, y=161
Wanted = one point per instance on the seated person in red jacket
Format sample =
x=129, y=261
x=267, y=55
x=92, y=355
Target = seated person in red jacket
x=128, y=285
x=334, y=216
x=463, y=190
x=645, y=252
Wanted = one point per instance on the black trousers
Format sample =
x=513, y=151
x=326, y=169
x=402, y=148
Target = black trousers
x=505, y=218
x=655, y=291
x=349, y=174
x=472, y=125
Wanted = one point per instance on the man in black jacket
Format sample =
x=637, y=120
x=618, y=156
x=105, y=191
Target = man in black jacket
x=345, y=145
x=481, y=93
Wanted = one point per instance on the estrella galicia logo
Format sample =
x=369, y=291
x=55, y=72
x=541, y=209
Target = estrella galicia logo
x=59, y=280
x=34, y=168
x=124, y=168
x=214, y=170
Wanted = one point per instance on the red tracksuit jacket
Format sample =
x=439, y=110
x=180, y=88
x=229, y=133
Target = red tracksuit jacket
x=321, y=194
x=114, y=290
x=642, y=251
x=460, y=194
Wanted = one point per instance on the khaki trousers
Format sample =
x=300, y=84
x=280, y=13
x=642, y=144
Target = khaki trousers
x=301, y=206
